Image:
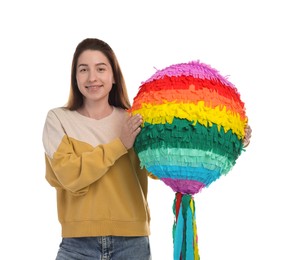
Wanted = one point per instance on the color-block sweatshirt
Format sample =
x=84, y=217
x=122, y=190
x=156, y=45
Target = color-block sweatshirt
x=101, y=189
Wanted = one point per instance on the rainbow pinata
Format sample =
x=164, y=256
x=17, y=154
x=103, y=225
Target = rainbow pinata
x=193, y=131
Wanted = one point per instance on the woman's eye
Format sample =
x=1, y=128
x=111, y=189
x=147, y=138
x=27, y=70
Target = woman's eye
x=101, y=69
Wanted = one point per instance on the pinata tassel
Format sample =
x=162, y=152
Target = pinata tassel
x=184, y=228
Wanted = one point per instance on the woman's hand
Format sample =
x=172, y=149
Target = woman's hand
x=248, y=134
x=130, y=129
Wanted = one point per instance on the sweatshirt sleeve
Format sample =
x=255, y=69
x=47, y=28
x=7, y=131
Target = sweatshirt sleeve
x=74, y=165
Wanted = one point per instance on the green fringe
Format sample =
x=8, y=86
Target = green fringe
x=182, y=134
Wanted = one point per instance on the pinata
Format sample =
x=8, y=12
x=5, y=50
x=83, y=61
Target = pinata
x=192, y=133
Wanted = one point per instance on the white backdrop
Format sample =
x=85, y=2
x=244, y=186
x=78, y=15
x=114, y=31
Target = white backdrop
x=250, y=213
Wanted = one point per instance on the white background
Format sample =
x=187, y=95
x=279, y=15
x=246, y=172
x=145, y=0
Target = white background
x=248, y=214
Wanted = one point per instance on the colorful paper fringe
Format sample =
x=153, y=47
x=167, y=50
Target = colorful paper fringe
x=192, y=134
x=184, y=229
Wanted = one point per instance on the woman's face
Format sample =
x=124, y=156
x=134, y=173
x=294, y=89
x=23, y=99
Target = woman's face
x=94, y=76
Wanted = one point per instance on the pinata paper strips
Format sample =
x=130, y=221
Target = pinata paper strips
x=192, y=134
x=194, y=123
x=199, y=153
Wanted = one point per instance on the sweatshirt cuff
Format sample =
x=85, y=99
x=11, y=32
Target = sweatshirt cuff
x=118, y=148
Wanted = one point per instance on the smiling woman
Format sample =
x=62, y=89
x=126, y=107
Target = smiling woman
x=95, y=80
x=90, y=161
x=247, y=216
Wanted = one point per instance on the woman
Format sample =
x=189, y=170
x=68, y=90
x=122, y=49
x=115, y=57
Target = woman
x=101, y=189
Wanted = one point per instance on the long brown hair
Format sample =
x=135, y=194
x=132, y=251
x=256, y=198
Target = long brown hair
x=118, y=96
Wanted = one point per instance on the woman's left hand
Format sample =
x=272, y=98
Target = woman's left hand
x=248, y=134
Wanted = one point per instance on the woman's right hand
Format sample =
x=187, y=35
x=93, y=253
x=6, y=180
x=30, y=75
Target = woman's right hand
x=130, y=129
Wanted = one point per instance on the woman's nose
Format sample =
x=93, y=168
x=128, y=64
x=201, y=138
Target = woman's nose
x=92, y=76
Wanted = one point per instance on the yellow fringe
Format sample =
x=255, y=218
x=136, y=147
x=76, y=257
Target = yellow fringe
x=195, y=112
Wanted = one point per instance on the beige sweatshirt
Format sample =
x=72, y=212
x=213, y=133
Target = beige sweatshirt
x=101, y=189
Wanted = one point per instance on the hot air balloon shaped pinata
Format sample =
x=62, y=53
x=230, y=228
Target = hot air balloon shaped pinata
x=193, y=131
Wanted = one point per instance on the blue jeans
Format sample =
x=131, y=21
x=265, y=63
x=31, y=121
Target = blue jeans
x=104, y=248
